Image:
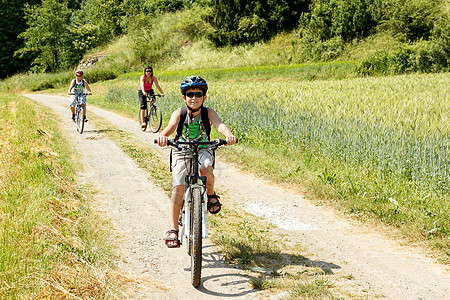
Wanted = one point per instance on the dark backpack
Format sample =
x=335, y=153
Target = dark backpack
x=82, y=81
x=205, y=121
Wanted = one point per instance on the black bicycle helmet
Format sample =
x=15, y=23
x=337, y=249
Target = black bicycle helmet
x=193, y=82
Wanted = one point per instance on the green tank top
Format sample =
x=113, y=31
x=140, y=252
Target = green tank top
x=78, y=87
x=193, y=129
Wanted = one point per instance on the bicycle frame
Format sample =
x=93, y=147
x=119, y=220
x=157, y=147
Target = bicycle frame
x=194, y=181
x=152, y=115
x=78, y=107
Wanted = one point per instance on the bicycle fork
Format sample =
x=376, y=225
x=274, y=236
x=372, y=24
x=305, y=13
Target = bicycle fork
x=186, y=212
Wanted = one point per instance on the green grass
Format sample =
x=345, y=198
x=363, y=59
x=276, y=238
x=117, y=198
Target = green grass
x=297, y=72
x=52, y=246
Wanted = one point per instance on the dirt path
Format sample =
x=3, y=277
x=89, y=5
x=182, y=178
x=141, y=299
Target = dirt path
x=378, y=265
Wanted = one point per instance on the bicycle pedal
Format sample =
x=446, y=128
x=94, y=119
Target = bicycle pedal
x=180, y=219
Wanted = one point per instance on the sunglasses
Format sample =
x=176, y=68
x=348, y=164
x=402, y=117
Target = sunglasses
x=196, y=94
x=148, y=71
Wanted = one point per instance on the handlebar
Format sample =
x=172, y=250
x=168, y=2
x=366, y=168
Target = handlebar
x=80, y=94
x=212, y=144
x=153, y=95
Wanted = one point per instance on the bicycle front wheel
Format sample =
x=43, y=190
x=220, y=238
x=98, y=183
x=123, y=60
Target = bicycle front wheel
x=155, y=116
x=143, y=121
x=80, y=119
x=196, y=235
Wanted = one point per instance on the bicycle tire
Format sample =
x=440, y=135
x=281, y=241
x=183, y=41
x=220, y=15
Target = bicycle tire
x=145, y=119
x=80, y=119
x=196, y=234
x=155, y=118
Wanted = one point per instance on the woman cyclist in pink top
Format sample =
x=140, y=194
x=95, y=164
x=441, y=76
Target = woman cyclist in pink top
x=146, y=87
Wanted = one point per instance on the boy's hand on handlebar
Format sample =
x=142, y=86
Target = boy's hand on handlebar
x=162, y=140
x=231, y=140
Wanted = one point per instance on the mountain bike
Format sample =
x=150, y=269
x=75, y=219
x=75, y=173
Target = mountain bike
x=194, y=207
x=79, y=112
x=153, y=114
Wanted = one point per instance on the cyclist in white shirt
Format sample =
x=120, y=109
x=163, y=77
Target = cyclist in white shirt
x=78, y=86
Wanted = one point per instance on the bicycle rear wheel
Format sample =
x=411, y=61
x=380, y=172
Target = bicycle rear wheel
x=155, y=116
x=80, y=119
x=144, y=121
x=196, y=235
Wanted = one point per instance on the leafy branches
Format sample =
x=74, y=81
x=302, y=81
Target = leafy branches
x=241, y=21
x=47, y=33
x=58, y=36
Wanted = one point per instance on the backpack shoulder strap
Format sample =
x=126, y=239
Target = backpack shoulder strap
x=205, y=120
x=183, y=114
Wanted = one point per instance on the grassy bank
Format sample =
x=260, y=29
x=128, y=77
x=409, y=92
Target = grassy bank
x=52, y=246
x=378, y=148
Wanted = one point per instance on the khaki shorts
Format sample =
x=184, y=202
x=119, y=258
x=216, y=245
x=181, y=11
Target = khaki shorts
x=181, y=163
x=73, y=100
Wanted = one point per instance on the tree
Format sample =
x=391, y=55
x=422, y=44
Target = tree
x=341, y=18
x=105, y=15
x=243, y=21
x=47, y=34
x=12, y=24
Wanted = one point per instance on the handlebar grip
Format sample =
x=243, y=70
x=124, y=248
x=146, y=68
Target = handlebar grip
x=223, y=142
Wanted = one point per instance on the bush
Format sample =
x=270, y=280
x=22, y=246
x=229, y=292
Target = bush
x=243, y=21
x=412, y=18
x=422, y=57
x=338, y=18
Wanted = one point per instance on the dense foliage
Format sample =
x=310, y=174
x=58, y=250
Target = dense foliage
x=243, y=21
x=331, y=24
x=12, y=24
x=47, y=34
x=52, y=35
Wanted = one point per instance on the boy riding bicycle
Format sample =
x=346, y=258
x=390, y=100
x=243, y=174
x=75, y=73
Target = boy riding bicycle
x=77, y=86
x=195, y=126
